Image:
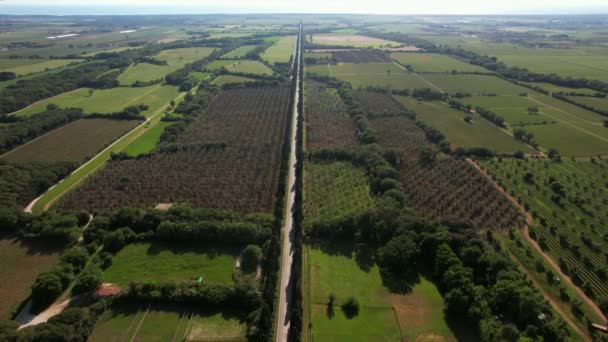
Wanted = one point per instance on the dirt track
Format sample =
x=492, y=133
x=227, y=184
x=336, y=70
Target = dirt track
x=547, y=257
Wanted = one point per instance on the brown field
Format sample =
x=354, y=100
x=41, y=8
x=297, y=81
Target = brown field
x=20, y=263
x=375, y=103
x=327, y=123
x=228, y=158
x=77, y=141
x=360, y=56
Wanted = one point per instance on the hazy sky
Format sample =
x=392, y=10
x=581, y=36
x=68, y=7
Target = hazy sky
x=310, y=6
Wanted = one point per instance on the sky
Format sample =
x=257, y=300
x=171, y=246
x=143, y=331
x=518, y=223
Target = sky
x=308, y=6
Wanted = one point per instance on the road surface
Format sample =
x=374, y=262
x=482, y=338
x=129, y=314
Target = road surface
x=286, y=286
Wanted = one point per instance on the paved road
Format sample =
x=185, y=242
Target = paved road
x=286, y=287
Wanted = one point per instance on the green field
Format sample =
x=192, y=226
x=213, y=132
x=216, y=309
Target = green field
x=571, y=130
x=479, y=133
x=474, y=84
x=595, y=102
x=351, y=40
x=578, y=66
x=109, y=100
x=175, y=58
x=430, y=62
x=281, y=51
x=239, y=52
x=148, y=323
x=76, y=141
x=370, y=74
x=555, y=89
x=166, y=262
x=381, y=313
x=563, y=227
x=225, y=79
x=218, y=64
x=335, y=190
x=250, y=67
x=38, y=65
x=147, y=142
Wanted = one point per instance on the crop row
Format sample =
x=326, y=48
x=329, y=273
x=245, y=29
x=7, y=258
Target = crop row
x=568, y=201
x=328, y=123
x=449, y=188
x=229, y=158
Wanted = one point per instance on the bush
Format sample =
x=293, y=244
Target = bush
x=351, y=307
x=250, y=258
x=46, y=288
x=89, y=280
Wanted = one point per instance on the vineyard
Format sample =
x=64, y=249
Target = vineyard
x=328, y=123
x=335, y=190
x=21, y=263
x=568, y=202
x=227, y=158
x=76, y=141
x=360, y=56
x=375, y=103
x=450, y=188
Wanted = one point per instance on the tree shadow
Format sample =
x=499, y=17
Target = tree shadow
x=364, y=256
x=334, y=248
x=402, y=283
x=183, y=247
x=331, y=311
x=462, y=328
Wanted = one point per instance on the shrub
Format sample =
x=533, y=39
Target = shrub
x=250, y=258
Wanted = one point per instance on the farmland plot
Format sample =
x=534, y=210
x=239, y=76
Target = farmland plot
x=450, y=188
x=430, y=62
x=361, y=75
x=281, y=51
x=76, y=141
x=108, y=100
x=477, y=133
x=360, y=56
x=20, y=263
x=567, y=200
x=230, y=159
x=378, y=104
x=42, y=65
x=474, y=84
x=351, y=40
x=327, y=123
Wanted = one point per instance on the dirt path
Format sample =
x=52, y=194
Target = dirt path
x=547, y=257
x=286, y=285
x=25, y=319
x=29, y=207
x=556, y=306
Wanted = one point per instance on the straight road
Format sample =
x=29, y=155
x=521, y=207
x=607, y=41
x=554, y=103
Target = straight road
x=286, y=286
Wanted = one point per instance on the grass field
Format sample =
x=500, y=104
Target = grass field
x=166, y=262
x=595, y=102
x=251, y=67
x=219, y=63
x=571, y=130
x=370, y=74
x=109, y=100
x=351, y=40
x=555, y=89
x=239, y=52
x=430, y=62
x=39, y=65
x=79, y=140
x=175, y=58
x=147, y=141
x=225, y=79
x=335, y=190
x=146, y=323
x=579, y=66
x=474, y=84
x=281, y=51
x=20, y=263
x=478, y=133
x=381, y=312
